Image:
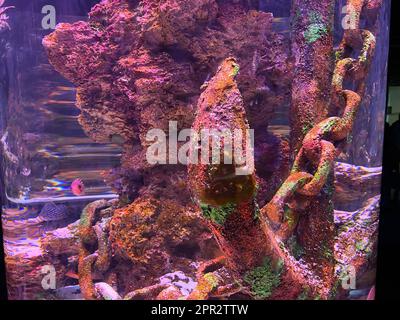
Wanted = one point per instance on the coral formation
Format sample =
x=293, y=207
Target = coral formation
x=146, y=81
x=146, y=63
x=147, y=229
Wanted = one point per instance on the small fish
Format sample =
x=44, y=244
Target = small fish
x=77, y=187
x=53, y=212
x=357, y=294
x=371, y=294
x=72, y=274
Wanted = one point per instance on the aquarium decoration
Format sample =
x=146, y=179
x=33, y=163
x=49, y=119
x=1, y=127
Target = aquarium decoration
x=192, y=149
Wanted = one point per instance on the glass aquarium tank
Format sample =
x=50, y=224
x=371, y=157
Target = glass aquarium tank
x=192, y=149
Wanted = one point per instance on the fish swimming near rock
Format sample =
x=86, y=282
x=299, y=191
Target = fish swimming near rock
x=371, y=294
x=53, y=212
x=77, y=187
x=50, y=212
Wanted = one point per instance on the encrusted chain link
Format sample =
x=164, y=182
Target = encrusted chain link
x=94, y=251
x=318, y=147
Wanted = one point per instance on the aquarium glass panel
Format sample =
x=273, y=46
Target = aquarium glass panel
x=192, y=149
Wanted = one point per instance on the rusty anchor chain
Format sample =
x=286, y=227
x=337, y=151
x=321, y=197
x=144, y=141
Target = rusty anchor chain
x=94, y=252
x=95, y=256
x=319, y=146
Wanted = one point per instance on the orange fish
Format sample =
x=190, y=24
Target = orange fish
x=77, y=187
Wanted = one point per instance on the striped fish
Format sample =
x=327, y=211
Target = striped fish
x=53, y=212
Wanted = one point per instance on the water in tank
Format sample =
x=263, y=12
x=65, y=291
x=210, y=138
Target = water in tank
x=192, y=149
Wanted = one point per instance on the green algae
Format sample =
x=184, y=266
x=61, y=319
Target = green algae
x=236, y=70
x=211, y=279
x=290, y=218
x=295, y=248
x=263, y=280
x=316, y=29
x=304, y=295
x=327, y=252
x=306, y=128
x=257, y=211
x=218, y=215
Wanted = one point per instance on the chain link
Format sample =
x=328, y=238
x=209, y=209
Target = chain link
x=318, y=146
x=94, y=253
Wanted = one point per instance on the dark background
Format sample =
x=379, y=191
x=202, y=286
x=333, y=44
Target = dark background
x=394, y=58
x=388, y=280
x=388, y=277
x=3, y=289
